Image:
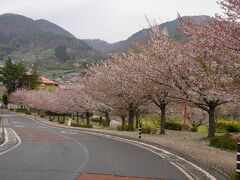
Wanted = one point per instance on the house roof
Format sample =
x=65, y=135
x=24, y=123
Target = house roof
x=45, y=80
x=42, y=79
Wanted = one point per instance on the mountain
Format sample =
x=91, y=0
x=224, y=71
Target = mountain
x=98, y=44
x=46, y=26
x=143, y=36
x=28, y=40
x=56, y=50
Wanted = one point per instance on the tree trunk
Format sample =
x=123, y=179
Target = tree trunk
x=137, y=119
x=58, y=118
x=100, y=120
x=77, y=119
x=123, y=120
x=162, y=118
x=87, y=117
x=106, y=114
x=234, y=116
x=211, y=121
x=131, y=118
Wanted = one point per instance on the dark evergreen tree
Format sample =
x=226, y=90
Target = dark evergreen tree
x=61, y=54
x=34, y=77
x=11, y=75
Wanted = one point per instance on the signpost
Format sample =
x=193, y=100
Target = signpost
x=140, y=130
x=238, y=157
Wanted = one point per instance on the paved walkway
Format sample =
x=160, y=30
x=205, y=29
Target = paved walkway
x=193, y=146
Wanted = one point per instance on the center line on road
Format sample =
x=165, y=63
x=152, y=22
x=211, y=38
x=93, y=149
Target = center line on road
x=18, y=126
x=68, y=132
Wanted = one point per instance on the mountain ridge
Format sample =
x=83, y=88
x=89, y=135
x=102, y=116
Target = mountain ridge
x=24, y=39
x=142, y=35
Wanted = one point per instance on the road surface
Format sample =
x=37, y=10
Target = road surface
x=48, y=153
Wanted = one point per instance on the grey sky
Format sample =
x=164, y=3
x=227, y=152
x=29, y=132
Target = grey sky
x=110, y=20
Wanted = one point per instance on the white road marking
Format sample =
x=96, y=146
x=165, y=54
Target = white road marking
x=68, y=132
x=6, y=122
x=14, y=122
x=6, y=140
x=182, y=170
x=8, y=115
x=18, y=126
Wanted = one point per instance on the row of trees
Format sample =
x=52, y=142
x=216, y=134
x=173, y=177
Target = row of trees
x=203, y=70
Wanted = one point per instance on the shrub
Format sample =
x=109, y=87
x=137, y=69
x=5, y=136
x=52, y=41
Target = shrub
x=224, y=142
x=229, y=126
x=61, y=121
x=232, y=128
x=173, y=126
x=148, y=130
x=42, y=116
x=194, y=129
x=122, y=128
x=28, y=112
x=74, y=124
x=21, y=110
x=104, y=123
x=85, y=125
x=95, y=119
x=81, y=125
x=234, y=175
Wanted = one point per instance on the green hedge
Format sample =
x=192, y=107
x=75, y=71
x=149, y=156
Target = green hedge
x=81, y=125
x=194, y=129
x=148, y=130
x=28, y=112
x=61, y=121
x=224, y=142
x=229, y=126
x=122, y=128
x=173, y=126
x=85, y=125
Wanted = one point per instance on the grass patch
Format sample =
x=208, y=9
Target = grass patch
x=226, y=142
x=151, y=120
x=149, y=130
x=122, y=128
x=203, y=129
x=74, y=124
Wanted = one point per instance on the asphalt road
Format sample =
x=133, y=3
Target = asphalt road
x=48, y=153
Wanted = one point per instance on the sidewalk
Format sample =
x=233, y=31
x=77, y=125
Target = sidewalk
x=192, y=146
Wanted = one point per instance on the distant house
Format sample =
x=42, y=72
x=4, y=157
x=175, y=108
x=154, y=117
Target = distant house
x=42, y=83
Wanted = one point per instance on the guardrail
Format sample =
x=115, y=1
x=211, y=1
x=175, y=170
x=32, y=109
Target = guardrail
x=2, y=136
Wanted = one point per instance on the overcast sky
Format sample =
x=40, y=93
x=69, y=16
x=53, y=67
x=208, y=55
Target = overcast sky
x=109, y=20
